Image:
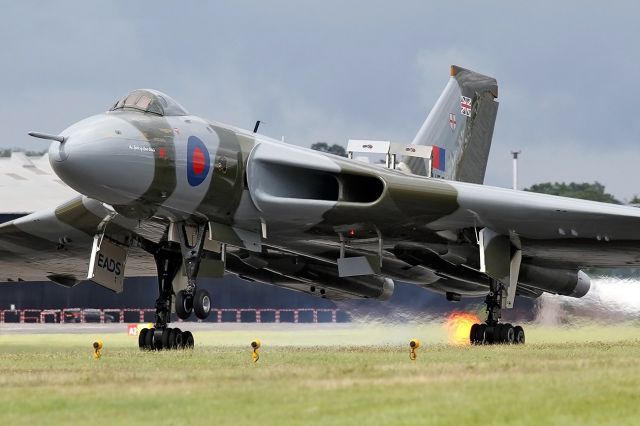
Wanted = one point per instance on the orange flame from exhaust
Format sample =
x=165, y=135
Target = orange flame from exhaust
x=458, y=326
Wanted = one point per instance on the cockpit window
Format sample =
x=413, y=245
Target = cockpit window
x=143, y=102
x=150, y=101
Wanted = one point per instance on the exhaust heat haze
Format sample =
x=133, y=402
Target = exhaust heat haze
x=609, y=299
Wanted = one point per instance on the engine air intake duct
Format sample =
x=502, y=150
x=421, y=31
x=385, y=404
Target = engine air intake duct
x=288, y=181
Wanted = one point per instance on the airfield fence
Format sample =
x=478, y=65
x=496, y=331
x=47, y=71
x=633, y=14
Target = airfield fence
x=79, y=315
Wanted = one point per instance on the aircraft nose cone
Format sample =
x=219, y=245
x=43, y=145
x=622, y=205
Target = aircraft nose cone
x=97, y=162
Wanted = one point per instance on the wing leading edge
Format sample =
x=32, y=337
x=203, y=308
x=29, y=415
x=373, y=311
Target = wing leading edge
x=56, y=243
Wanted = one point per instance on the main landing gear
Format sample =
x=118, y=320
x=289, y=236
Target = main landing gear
x=164, y=338
x=492, y=331
x=191, y=299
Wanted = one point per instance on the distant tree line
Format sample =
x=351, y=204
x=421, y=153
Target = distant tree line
x=585, y=191
x=333, y=149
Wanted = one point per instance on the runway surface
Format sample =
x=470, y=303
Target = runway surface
x=74, y=328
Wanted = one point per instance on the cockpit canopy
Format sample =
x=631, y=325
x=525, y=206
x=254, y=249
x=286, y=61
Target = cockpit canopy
x=151, y=101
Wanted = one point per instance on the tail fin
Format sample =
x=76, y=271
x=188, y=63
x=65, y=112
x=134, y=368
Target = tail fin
x=460, y=128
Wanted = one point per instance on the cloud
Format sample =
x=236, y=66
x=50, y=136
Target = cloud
x=336, y=70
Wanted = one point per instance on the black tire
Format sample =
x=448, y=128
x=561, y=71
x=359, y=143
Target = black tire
x=481, y=334
x=142, y=338
x=496, y=334
x=518, y=335
x=165, y=338
x=157, y=339
x=187, y=340
x=178, y=341
x=171, y=339
x=148, y=340
x=473, y=339
x=202, y=304
x=506, y=334
x=184, y=305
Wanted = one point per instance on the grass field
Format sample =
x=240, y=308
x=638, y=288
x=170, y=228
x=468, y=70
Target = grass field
x=587, y=375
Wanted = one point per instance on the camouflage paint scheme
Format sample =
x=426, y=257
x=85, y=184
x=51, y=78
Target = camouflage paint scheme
x=281, y=209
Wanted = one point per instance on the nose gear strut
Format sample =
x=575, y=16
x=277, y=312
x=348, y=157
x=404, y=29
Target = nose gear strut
x=192, y=299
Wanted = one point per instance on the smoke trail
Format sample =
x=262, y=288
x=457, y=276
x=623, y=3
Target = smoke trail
x=609, y=299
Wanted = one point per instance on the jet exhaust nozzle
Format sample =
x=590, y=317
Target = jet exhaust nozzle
x=557, y=281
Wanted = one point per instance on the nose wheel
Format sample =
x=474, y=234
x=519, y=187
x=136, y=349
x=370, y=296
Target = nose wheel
x=202, y=303
x=198, y=303
x=184, y=304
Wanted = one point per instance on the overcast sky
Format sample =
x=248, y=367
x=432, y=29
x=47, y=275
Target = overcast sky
x=330, y=71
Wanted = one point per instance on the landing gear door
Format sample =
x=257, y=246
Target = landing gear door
x=107, y=263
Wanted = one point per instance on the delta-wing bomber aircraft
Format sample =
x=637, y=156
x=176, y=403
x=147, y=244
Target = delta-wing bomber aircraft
x=169, y=193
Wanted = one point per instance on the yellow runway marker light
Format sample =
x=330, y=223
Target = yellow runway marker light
x=97, y=347
x=255, y=345
x=414, y=344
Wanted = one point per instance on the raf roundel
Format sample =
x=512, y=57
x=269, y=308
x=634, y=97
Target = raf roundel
x=198, y=161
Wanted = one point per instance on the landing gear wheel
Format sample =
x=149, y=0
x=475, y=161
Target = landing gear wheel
x=157, y=339
x=472, y=334
x=506, y=334
x=142, y=336
x=148, y=339
x=165, y=339
x=493, y=333
x=202, y=304
x=171, y=339
x=184, y=304
x=481, y=334
x=518, y=335
x=187, y=340
x=497, y=334
x=179, y=342
x=166, y=344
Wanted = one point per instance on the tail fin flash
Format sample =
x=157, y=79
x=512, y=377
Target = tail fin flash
x=460, y=128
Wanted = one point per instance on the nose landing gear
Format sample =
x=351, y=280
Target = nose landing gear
x=198, y=303
x=492, y=331
x=192, y=299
